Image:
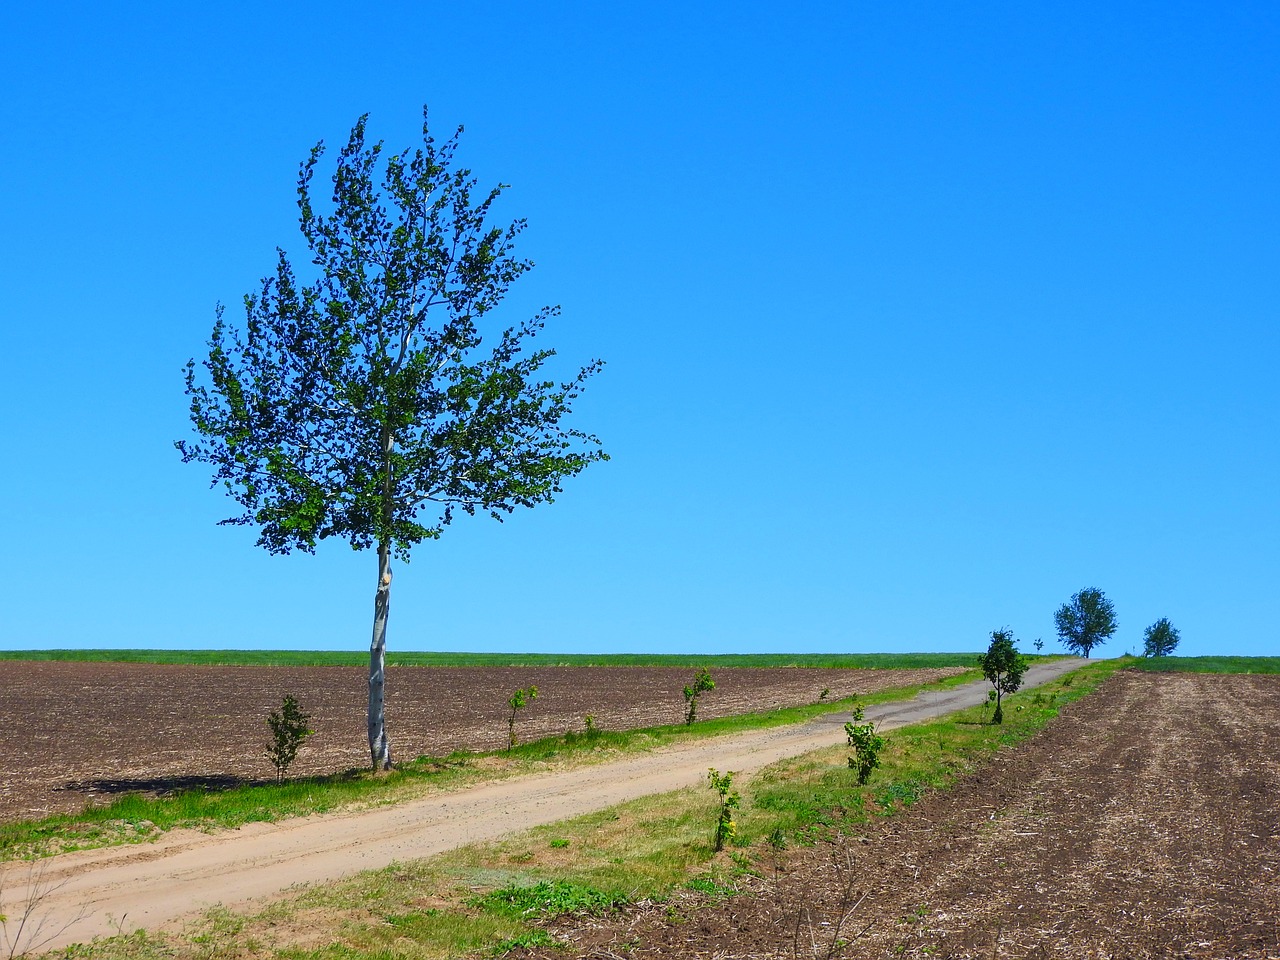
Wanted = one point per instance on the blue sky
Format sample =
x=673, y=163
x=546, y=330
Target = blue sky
x=918, y=317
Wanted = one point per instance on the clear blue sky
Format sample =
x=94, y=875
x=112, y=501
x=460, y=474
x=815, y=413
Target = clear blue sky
x=918, y=317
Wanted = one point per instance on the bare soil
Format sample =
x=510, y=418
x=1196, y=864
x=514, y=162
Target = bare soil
x=77, y=733
x=1144, y=822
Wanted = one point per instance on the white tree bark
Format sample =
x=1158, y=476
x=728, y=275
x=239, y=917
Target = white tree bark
x=379, y=745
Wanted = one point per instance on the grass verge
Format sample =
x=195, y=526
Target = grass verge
x=488, y=899
x=135, y=818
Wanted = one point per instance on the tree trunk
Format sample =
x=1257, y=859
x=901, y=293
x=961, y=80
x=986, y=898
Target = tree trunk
x=379, y=745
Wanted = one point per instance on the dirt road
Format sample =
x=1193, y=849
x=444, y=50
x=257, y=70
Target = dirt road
x=102, y=892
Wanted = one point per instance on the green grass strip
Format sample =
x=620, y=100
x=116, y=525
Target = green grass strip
x=1206, y=664
x=346, y=658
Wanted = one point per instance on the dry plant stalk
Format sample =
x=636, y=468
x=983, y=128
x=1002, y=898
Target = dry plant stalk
x=24, y=927
x=825, y=948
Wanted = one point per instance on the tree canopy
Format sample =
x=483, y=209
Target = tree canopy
x=1160, y=639
x=374, y=400
x=1087, y=620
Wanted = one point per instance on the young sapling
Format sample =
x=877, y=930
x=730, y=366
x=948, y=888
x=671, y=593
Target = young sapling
x=289, y=731
x=702, y=682
x=722, y=783
x=866, y=744
x=516, y=702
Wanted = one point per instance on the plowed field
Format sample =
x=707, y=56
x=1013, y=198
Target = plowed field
x=81, y=732
x=1143, y=823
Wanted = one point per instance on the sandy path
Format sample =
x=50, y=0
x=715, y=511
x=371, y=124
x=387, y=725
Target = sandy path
x=102, y=892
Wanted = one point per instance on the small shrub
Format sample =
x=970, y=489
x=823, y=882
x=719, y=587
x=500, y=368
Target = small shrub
x=589, y=721
x=702, y=682
x=516, y=702
x=289, y=731
x=866, y=744
x=722, y=783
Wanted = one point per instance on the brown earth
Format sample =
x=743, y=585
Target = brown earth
x=1144, y=822
x=84, y=732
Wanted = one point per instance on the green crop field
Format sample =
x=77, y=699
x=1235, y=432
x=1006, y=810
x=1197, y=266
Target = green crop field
x=343, y=658
x=1207, y=664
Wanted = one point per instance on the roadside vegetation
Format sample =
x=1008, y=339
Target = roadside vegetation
x=487, y=899
x=134, y=818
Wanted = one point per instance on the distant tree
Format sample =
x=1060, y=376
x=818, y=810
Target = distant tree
x=1004, y=666
x=377, y=400
x=1087, y=620
x=1160, y=639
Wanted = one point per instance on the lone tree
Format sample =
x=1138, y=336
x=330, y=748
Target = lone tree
x=1004, y=666
x=1087, y=620
x=367, y=404
x=1160, y=639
